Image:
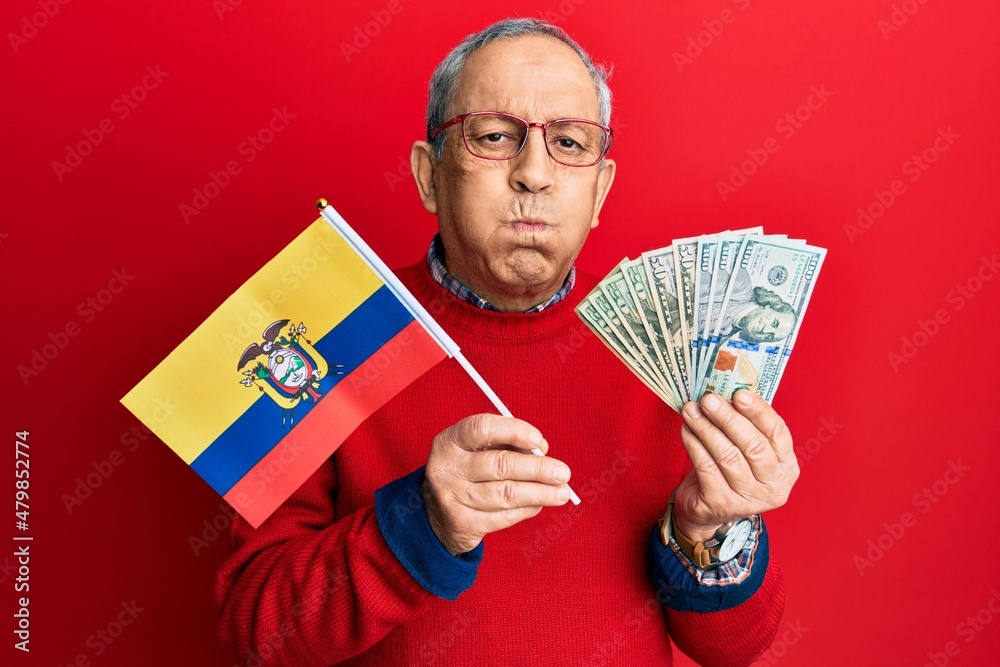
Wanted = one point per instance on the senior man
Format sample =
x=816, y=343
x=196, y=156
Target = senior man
x=380, y=558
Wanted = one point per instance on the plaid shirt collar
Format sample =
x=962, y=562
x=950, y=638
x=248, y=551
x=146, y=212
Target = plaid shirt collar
x=435, y=255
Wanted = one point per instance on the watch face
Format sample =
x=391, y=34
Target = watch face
x=736, y=538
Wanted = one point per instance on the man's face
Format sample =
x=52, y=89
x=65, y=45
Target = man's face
x=767, y=325
x=512, y=228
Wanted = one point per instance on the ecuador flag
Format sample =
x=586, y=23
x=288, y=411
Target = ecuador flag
x=286, y=368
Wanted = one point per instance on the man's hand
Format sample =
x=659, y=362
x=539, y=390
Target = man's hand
x=743, y=461
x=481, y=477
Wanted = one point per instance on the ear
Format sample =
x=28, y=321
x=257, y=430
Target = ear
x=604, y=180
x=422, y=166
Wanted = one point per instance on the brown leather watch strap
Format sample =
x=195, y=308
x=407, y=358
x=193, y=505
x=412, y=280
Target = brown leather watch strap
x=702, y=557
x=696, y=551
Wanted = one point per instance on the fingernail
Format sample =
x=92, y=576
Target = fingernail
x=693, y=411
x=562, y=494
x=536, y=439
x=744, y=398
x=711, y=401
x=561, y=475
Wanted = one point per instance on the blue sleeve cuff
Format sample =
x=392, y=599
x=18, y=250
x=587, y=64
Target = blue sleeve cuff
x=402, y=518
x=682, y=586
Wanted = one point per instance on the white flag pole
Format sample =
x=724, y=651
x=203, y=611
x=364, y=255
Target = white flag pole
x=419, y=313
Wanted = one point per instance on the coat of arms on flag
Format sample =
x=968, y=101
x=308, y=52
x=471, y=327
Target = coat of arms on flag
x=288, y=368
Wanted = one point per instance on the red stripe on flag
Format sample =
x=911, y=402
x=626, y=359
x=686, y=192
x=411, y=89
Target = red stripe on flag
x=404, y=358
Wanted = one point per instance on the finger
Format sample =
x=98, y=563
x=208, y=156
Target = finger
x=726, y=455
x=486, y=431
x=491, y=522
x=461, y=528
x=711, y=480
x=756, y=448
x=508, y=494
x=504, y=464
x=768, y=422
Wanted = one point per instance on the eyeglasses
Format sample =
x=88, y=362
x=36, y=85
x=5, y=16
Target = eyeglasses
x=493, y=135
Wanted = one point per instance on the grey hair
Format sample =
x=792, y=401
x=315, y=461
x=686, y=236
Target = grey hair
x=442, y=86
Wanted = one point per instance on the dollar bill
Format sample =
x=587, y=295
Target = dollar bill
x=713, y=281
x=615, y=288
x=729, y=245
x=591, y=315
x=618, y=330
x=768, y=292
x=638, y=285
x=705, y=263
x=685, y=257
x=659, y=266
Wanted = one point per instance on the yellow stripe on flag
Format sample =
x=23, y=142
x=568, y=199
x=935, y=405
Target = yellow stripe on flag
x=317, y=280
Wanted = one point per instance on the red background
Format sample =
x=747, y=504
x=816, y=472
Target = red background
x=355, y=115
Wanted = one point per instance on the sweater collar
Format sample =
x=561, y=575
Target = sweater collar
x=453, y=313
x=435, y=264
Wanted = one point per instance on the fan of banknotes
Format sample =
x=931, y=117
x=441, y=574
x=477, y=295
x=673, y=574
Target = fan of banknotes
x=708, y=314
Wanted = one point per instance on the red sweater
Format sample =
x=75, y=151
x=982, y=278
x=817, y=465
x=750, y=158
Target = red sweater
x=317, y=583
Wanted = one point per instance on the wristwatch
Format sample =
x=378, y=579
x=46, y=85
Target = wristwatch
x=724, y=546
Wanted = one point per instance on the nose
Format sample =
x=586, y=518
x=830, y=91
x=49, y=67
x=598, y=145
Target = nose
x=533, y=170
